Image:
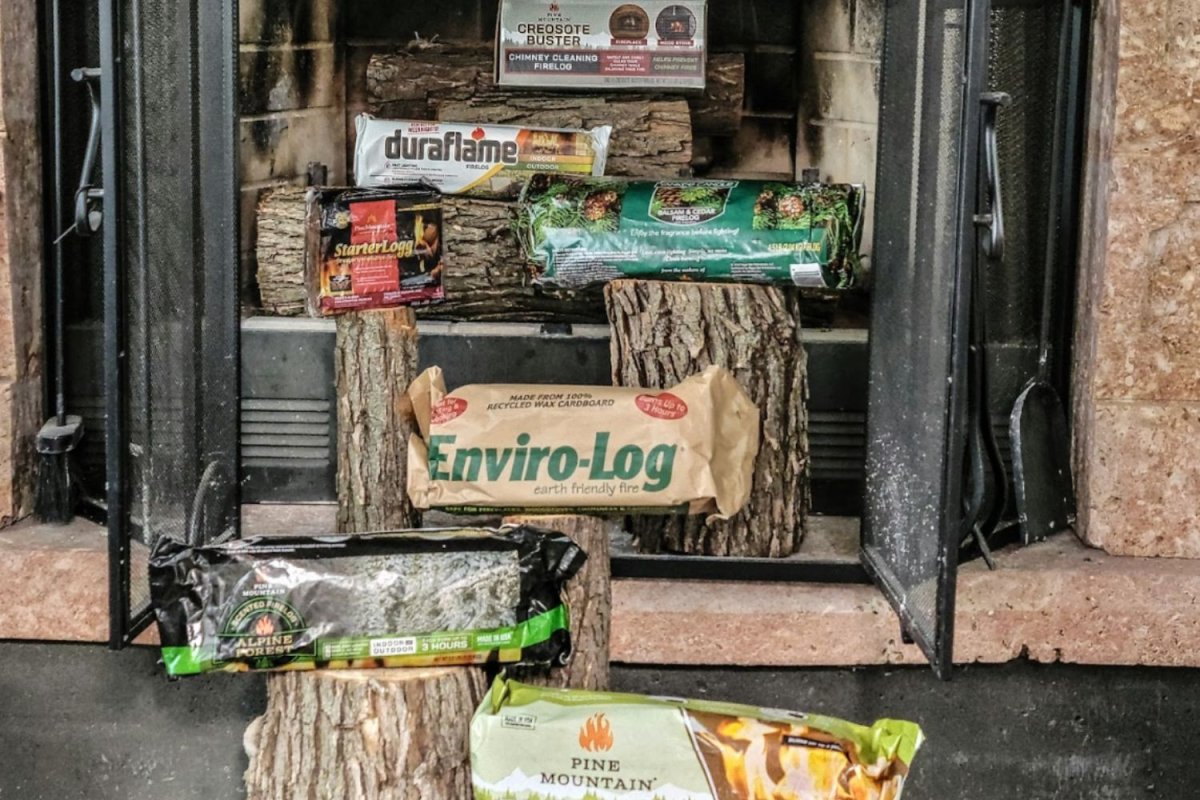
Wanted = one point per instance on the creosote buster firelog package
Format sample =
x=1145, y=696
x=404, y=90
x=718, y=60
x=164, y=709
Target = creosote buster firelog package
x=409, y=598
x=602, y=44
x=588, y=449
x=532, y=743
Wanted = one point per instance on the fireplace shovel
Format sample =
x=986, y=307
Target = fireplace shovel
x=1041, y=454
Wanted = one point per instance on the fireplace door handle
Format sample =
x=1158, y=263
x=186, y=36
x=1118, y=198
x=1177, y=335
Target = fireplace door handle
x=993, y=217
x=88, y=197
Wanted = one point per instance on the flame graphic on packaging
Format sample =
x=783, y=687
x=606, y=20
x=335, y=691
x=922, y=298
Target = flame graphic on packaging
x=596, y=734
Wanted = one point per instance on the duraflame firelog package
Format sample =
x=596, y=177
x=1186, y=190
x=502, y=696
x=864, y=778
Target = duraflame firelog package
x=533, y=743
x=481, y=160
x=588, y=449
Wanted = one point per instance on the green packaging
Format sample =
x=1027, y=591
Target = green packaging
x=578, y=231
x=533, y=743
x=397, y=599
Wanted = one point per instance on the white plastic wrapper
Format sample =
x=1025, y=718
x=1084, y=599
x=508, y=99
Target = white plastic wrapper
x=482, y=160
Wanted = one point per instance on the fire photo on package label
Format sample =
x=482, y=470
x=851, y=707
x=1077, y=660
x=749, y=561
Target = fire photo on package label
x=376, y=249
x=596, y=44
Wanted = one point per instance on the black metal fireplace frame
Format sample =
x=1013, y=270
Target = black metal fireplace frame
x=205, y=235
x=211, y=136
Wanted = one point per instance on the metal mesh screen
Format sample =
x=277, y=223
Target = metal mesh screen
x=915, y=325
x=176, y=310
x=1023, y=55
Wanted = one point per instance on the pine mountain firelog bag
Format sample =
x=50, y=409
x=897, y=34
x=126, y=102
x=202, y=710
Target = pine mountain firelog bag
x=533, y=743
x=408, y=598
x=589, y=449
x=577, y=231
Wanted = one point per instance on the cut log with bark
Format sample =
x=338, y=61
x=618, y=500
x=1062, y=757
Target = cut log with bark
x=412, y=82
x=589, y=603
x=397, y=734
x=663, y=333
x=486, y=278
x=280, y=251
x=651, y=136
x=375, y=359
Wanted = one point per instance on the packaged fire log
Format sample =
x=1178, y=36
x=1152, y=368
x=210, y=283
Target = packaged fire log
x=602, y=44
x=581, y=231
x=409, y=598
x=532, y=743
x=482, y=160
x=371, y=249
x=511, y=448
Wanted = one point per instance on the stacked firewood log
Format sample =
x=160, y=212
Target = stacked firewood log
x=653, y=137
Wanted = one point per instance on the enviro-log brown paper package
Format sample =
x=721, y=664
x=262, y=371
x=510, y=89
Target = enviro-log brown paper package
x=589, y=449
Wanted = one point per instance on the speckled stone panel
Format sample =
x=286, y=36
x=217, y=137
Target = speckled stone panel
x=1138, y=352
x=1056, y=601
x=1148, y=455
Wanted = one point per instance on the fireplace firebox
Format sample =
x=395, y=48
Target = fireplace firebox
x=962, y=117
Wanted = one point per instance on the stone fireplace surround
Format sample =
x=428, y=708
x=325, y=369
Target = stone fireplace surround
x=1136, y=408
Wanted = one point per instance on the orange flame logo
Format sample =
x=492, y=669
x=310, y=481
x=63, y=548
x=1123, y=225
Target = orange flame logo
x=264, y=626
x=596, y=734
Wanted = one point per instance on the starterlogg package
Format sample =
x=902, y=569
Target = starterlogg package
x=481, y=160
x=589, y=449
x=583, y=231
x=410, y=598
x=368, y=249
x=602, y=44
x=532, y=743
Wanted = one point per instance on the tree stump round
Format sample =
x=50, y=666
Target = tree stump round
x=375, y=360
x=664, y=332
x=589, y=602
x=397, y=734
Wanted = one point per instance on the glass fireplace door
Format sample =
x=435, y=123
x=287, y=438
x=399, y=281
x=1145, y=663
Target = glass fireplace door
x=925, y=239
x=169, y=161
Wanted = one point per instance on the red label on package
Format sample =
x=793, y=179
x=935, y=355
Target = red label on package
x=448, y=409
x=662, y=406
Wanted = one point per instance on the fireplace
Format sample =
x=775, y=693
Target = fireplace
x=215, y=397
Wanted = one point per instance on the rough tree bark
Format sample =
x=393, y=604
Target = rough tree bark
x=665, y=332
x=651, y=137
x=411, y=83
x=589, y=602
x=375, y=359
x=280, y=251
x=486, y=279
x=369, y=735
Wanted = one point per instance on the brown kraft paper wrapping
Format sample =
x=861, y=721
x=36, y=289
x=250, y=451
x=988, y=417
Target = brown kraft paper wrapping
x=594, y=449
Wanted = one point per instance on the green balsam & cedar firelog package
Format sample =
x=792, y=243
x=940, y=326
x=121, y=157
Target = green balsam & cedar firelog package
x=579, y=231
x=587, y=449
x=533, y=743
x=408, y=598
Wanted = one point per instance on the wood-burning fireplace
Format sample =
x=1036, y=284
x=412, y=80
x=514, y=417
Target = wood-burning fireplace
x=213, y=395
